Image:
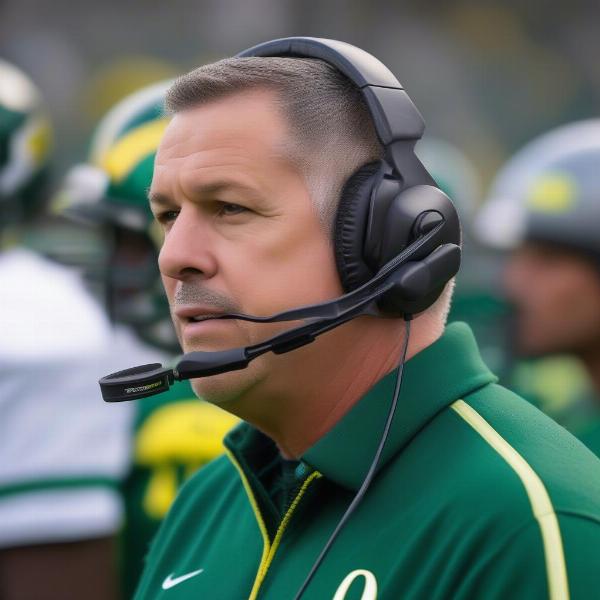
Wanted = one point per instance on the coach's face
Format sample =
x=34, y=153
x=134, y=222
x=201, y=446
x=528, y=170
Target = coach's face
x=241, y=231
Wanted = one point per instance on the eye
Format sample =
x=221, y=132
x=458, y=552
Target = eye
x=227, y=209
x=166, y=217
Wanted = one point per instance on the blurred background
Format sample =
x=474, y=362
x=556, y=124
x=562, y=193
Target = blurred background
x=487, y=75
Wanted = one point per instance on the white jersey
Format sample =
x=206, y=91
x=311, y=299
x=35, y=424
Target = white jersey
x=63, y=450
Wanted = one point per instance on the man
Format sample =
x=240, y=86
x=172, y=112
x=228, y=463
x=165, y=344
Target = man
x=477, y=494
x=62, y=450
x=544, y=206
x=173, y=434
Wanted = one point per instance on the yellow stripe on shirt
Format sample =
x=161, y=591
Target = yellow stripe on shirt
x=260, y=521
x=556, y=569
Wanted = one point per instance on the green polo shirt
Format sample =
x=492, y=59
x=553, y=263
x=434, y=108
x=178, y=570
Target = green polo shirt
x=478, y=495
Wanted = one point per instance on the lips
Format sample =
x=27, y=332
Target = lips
x=199, y=318
x=198, y=326
x=196, y=314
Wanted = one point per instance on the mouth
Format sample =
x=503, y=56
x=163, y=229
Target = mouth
x=200, y=318
x=201, y=329
x=197, y=314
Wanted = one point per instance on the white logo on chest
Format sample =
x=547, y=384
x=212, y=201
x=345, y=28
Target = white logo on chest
x=171, y=581
x=369, y=591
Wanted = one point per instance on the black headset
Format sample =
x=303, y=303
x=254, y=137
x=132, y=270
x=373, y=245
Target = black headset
x=397, y=235
x=388, y=204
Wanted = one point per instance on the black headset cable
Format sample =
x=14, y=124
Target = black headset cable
x=372, y=469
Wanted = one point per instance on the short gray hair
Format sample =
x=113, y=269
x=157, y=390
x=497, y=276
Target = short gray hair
x=330, y=123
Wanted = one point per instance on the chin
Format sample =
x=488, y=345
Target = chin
x=228, y=389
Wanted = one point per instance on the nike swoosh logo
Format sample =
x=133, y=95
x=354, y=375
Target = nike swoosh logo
x=171, y=581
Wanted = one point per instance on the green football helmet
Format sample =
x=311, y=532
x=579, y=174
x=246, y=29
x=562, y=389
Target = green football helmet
x=110, y=192
x=548, y=192
x=25, y=136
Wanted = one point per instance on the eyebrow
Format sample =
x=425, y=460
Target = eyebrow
x=211, y=189
x=156, y=198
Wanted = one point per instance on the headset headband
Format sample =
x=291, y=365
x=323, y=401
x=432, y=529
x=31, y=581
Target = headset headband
x=395, y=117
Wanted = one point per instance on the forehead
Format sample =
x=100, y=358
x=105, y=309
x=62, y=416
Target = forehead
x=237, y=144
x=248, y=122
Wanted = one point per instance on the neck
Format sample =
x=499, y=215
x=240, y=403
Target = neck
x=314, y=387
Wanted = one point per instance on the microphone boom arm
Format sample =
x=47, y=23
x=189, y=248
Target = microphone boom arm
x=413, y=278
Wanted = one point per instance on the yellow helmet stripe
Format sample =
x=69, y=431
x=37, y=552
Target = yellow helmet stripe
x=119, y=161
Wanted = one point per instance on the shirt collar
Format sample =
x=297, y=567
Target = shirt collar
x=447, y=370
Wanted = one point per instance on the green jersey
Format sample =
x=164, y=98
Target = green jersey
x=175, y=434
x=478, y=495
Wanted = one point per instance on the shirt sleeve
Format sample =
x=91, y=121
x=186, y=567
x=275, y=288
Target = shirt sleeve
x=522, y=568
x=581, y=540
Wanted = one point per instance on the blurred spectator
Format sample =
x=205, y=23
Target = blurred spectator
x=175, y=433
x=62, y=451
x=544, y=206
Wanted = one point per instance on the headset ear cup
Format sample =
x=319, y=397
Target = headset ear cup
x=350, y=226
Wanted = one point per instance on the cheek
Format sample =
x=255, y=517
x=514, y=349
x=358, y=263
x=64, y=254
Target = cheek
x=306, y=275
x=288, y=269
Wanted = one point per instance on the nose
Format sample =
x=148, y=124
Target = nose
x=187, y=250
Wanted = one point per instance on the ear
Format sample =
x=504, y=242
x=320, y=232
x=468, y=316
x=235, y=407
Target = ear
x=351, y=224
